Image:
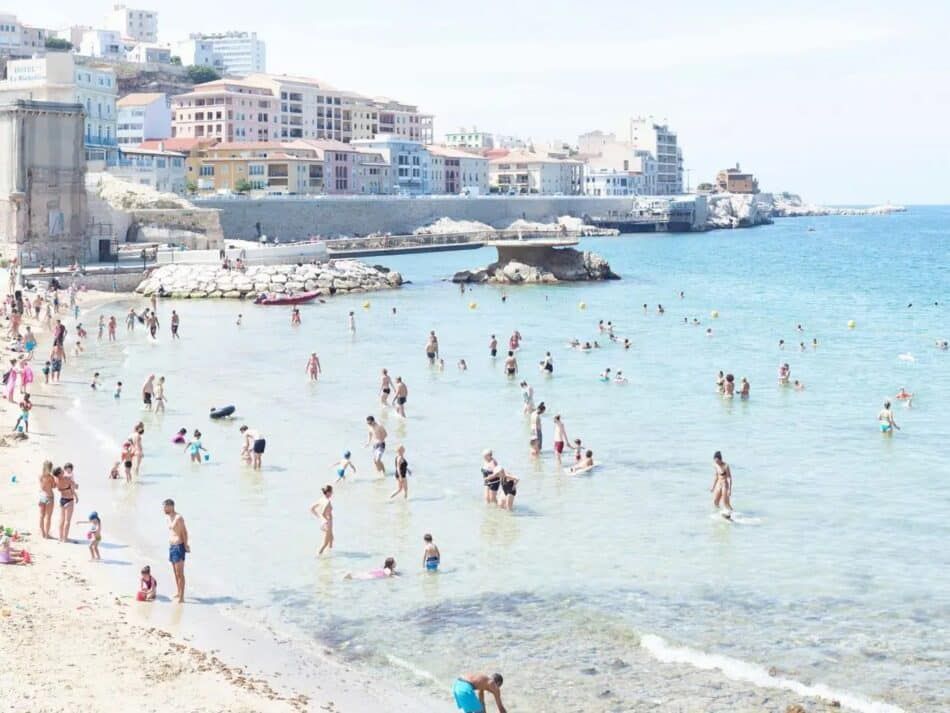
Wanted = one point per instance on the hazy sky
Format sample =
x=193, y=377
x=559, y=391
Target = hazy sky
x=841, y=102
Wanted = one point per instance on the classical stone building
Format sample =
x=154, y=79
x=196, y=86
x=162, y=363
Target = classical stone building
x=42, y=182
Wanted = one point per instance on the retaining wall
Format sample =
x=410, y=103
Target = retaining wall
x=333, y=216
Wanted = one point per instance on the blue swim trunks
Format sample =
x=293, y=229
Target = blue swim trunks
x=432, y=563
x=176, y=553
x=466, y=698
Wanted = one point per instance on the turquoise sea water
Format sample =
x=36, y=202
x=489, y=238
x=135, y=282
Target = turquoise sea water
x=617, y=591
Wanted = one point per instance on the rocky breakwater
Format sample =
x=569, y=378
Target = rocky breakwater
x=326, y=278
x=526, y=264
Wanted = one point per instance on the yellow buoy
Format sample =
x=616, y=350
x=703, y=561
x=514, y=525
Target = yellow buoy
x=581, y=305
x=852, y=324
x=714, y=314
x=472, y=305
x=366, y=305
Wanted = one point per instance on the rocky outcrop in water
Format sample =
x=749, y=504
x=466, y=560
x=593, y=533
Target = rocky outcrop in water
x=741, y=210
x=541, y=265
x=327, y=278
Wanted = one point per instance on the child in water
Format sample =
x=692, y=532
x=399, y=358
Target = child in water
x=578, y=450
x=584, y=464
x=341, y=466
x=118, y=390
x=388, y=570
x=148, y=586
x=431, y=557
x=127, y=457
x=194, y=447
x=180, y=437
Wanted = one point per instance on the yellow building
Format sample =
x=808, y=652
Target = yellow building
x=267, y=166
x=191, y=148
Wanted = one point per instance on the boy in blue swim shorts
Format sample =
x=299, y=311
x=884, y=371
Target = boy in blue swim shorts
x=469, y=692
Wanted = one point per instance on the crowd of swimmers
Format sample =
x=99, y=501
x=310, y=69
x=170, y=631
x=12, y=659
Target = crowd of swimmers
x=500, y=484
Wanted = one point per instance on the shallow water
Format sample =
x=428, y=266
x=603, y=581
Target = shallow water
x=621, y=590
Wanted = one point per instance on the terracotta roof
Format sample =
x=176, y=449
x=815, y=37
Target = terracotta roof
x=248, y=145
x=179, y=144
x=150, y=152
x=141, y=99
x=522, y=156
x=449, y=152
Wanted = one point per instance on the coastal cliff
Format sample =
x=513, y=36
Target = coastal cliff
x=326, y=279
x=740, y=210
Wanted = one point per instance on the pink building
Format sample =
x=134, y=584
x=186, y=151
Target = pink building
x=348, y=170
x=231, y=110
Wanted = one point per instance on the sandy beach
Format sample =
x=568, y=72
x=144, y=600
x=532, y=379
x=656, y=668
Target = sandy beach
x=78, y=641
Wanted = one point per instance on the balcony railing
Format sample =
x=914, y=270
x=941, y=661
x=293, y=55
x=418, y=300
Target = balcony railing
x=99, y=141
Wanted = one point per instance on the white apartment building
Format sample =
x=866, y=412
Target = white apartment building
x=410, y=162
x=19, y=40
x=474, y=139
x=312, y=109
x=616, y=167
x=656, y=138
x=455, y=171
x=102, y=44
x=141, y=117
x=58, y=78
x=525, y=172
x=198, y=52
x=240, y=52
x=138, y=25
x=148, y=53
x=162, y=170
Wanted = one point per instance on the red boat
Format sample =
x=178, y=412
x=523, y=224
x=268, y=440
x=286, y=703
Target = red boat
x=279, y=299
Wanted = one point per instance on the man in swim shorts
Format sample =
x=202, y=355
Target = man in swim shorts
x=177, y=546
x=148, y=389
x=377, y=438
x=469, y=691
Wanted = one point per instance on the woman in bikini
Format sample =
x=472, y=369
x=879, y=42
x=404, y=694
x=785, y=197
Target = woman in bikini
x=46, y=498
x=323, y=509
x=722, y=485
x=68, y=498
x=137, y=451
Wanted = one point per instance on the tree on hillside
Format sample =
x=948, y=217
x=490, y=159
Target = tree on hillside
x=199, y=75
x=56, y=43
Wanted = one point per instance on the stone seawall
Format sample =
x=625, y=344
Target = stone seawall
x=295, y=219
